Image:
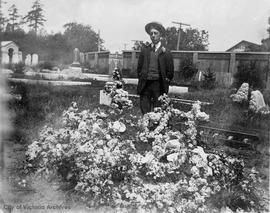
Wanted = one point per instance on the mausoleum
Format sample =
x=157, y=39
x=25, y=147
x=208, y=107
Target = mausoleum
x=10, y=52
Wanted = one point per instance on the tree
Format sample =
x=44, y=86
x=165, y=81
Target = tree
x=191, y=39
x=266, y=41
x=138, y=45
x=82, y=37
x=13, y=20
x=3, y=20
x=35, y=17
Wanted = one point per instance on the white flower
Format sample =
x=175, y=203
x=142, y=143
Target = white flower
x=172, y=157
x=242, y=93
x=33, y=150
x=96, y=128
x=199, y=150
x=195, y=171
x=173, y=144
x=118, y=126
x=147, y=158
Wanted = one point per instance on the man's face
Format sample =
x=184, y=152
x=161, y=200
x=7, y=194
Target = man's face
x=155, y=36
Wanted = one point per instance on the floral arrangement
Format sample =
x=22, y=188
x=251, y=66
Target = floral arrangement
x=120, y=99
x=99, y=152
x=242, y=94
x=116, y=74
x=257, y=104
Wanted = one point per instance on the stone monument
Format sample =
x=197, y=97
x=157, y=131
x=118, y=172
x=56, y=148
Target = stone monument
x=76, y=60
x=28, y=60
x=34, y=59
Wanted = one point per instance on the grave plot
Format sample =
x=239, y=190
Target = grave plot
x=125, y=171
x=114, y=157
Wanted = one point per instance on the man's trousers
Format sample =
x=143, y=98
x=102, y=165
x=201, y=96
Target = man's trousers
x=149, y=96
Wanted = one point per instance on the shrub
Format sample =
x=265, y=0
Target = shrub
x=46, y=65
x=16, y=68
x=188, y=69
x=209, y=78
x=250, y=73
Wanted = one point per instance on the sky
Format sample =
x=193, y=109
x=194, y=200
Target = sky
x=121, y=21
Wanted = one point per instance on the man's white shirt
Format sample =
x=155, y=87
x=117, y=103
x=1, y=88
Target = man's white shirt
x=157, y=46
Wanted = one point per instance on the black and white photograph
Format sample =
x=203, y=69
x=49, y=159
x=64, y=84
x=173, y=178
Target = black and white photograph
x=134, y=106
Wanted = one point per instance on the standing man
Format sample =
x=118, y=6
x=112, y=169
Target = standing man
x=155, y=69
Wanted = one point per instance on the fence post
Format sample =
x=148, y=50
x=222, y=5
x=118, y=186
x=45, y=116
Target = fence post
x=232, y=68
x=268, y=74
x=232, y=63
x=96, y=60
x=133, y=59
x=86, y=57
x=195, y=58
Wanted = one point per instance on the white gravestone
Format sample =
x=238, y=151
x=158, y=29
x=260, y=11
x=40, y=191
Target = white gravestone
x=76, y=53
x=82, y=57
x=34, y=59
x=256, y=100
x=104, y=98
x=28, y=60
x=20, y=56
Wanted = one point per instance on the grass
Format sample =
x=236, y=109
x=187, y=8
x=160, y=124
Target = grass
x=42, y=105
x=226, y=114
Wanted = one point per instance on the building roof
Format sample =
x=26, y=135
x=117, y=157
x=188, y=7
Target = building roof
x=5, y=43
x=246, y=44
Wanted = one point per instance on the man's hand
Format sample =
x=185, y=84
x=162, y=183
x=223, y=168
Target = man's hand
x=168, y=80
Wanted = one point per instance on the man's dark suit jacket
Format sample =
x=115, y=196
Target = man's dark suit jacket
x=165, y=66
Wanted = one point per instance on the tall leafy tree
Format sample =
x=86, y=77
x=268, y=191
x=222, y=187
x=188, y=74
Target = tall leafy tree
x=190, y=39
x=14, y=17
x=82, y=37
x=35, y=17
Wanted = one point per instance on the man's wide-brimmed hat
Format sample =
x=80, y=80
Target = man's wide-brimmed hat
x=156, y=26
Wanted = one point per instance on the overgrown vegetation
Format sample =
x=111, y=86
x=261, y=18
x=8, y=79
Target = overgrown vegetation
x=16, y=68
x=188, y=69
x=46, y=65
x=209, y=78
x=251, y=73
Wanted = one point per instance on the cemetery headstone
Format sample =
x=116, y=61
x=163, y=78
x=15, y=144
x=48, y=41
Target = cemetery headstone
x=104, y=98
x=34, y=59
x=28, y=61
x=257, y=100
x=76, y=54
x=76, y=57
x=20, y=56
x=82, y=58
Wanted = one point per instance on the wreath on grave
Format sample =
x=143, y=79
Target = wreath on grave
x=115, y=91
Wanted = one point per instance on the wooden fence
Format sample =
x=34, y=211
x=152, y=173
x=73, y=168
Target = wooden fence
x=98, y=62
x=223, y=63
